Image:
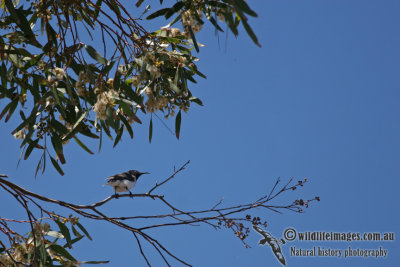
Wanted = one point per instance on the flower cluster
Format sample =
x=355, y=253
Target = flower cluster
x=80, y=84
x=156, y=103
x=20, y=134
x=104, y=99
x=190, y=19
x=59, y=72
x=24, y=246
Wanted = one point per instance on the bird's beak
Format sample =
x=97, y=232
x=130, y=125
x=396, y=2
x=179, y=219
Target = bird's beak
x=144, y=173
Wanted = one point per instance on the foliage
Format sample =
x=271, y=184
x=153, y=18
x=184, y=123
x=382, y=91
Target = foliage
x=41, y=246
x=66, y=82
x=64, y=88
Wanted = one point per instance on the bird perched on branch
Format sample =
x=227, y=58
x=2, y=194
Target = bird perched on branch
x=125, y=181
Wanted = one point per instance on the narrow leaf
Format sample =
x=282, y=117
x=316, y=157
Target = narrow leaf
x=94, y=262
x=84, y=231
x=38, y=166
x=95, y=55
x=245, y=7
x=119, y=135
x=127, y=125
x=31, y=146
x=250, y=32
x=194, y=39
x=5, y=110
x=72, y=131
x=57, y=166
x=64, y=230
x=196, y=100
x=151, y=129
x=98, y=5
x=77, y=239
x=58, y=147
x=178, y=124
x=173, y=86
x=82, y=145
x=61, y=251
x=214, y=22
x=157, y=13
x=175, y=8
x=11, y=110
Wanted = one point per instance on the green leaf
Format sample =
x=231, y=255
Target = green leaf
x=5, y=110
x=200, y=74
x=151, y=129
x=94, y=262
x=193, y=38
x=88, y=133
x=97, y=10
x=76, y=232
x=119, y=135
x=139, y=2
x=158, y=13
x=178, y=124
x=108, y=67
x=131, y=94
x=58, y=147
x=84, y=230
x=38, y=166
x=249, y=31
x=57, y=166
x=175, y=20
x=245, y=8
x=43, y=253
x=72, y=131
x=19, y=19
x=106, y=128
x=77, y=239
x=174, y=87
x=64, y=231
x=196, y=100
x=175, y=8
x=61, y=251
x=231, y=24
x=58, y=126
x=214, y=22
x=30, y=119
x=127, y=125
x=11, y=109
x=117, y=81
x=176, y=76
x=82, y=145
x=31, y=146
x=95, y=55
x=16, y=60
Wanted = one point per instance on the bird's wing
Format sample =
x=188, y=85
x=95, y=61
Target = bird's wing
x=120, y=176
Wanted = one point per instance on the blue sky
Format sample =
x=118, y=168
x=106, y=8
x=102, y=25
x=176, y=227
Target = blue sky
x=320, y=100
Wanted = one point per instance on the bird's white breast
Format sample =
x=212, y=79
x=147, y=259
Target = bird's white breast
x=122, y=186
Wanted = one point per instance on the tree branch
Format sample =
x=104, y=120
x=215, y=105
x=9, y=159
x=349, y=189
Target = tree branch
x=217, y=216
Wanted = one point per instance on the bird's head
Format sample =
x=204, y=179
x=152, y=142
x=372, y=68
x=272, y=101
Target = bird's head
x=136, y=173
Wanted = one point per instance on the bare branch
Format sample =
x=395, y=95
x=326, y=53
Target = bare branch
x=169, y=178
x=230, y=217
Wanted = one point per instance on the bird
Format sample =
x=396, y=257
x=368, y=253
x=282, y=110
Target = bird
x=273, y=243
x=124, y=182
